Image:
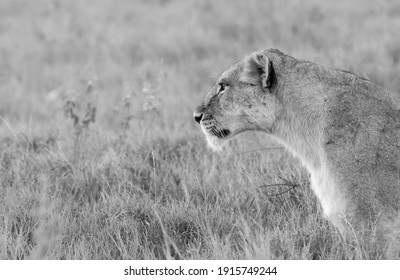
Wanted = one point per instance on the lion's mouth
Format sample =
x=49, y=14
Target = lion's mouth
x=212, y=128
x=220, y=133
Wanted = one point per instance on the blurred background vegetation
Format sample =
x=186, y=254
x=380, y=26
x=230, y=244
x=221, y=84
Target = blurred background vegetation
x=97, y=141
x=45, y=46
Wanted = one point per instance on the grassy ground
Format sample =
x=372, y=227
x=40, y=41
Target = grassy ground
x=100, y=157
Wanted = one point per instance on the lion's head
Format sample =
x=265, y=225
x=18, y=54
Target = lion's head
x=242, y=99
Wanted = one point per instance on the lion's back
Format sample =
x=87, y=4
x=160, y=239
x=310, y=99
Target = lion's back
x=362, y=144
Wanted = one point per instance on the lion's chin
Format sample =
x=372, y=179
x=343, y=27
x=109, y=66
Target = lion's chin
x=215, y=143
x=216, y=139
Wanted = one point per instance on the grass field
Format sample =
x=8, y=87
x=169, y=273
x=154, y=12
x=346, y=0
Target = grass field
x=100, y=157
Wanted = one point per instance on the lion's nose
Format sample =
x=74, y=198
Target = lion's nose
x=197, y=116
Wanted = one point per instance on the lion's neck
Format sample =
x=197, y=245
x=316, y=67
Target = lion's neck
x=299, y=127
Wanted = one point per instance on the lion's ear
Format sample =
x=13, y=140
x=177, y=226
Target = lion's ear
x=258, y=70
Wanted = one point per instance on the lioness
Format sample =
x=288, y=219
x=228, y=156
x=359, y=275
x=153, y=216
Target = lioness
x=344, y=128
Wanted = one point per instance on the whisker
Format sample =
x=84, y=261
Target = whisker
x=291, y=187
x=255, y=150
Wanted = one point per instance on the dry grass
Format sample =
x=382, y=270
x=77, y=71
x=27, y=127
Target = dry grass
x=100, y=158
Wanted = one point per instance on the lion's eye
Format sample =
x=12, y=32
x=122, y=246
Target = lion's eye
x=221, y=87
